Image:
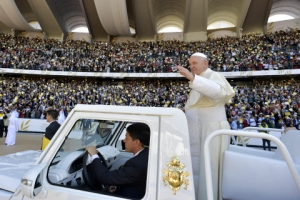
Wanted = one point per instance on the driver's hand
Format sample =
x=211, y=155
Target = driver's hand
x=91, y=150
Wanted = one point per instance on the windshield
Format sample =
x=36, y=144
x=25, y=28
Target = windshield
x=87, y=132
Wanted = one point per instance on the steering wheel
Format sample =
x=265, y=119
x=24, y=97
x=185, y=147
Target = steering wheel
x=88, y=177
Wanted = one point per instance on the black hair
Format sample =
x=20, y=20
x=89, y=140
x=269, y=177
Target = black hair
x=139, y=131
x=52, y=113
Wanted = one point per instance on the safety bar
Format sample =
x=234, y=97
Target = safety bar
x=262, y=129
x=249, y=128
x=279, y=144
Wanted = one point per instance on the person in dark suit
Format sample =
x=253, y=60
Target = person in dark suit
x=85, y=126
x=51, y=116
x=131, y=178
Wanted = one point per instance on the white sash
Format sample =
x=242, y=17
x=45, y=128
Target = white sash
x=208, y=114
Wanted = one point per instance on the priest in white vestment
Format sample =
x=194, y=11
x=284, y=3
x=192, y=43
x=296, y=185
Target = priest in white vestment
x=61, y=117
x=13, y=128
x=205, y=112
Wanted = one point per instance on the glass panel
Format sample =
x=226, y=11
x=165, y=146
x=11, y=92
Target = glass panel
x=66, y=168
x=85, y=132
x=88, y=132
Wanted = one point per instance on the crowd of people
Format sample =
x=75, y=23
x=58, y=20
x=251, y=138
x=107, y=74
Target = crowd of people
x=32, y=96
x=278, y=50
x=207, y=99
x=277, y=101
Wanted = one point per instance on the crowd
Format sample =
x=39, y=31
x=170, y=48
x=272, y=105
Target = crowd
x=32, y=96
x=277, y=101
x=278, y=50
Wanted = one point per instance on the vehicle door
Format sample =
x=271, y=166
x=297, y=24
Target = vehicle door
x=58, y=174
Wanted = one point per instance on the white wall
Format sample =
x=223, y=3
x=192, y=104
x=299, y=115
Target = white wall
x=195, y=36
x=237, y=74
x=222, y=33
x=32, y=34
x=32, y=125
x=170, y=36
x=40, y=125
x=283, y=25
x=125, y=39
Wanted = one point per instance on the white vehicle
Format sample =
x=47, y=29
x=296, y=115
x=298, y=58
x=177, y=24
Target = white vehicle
x=59, y=171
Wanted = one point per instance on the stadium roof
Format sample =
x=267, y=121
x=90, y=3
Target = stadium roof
x=105, y=18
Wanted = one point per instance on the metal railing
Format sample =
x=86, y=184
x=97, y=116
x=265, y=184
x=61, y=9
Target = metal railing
x=250, y=128
x=280, y=145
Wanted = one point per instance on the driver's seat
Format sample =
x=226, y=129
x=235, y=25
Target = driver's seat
x=120, y=160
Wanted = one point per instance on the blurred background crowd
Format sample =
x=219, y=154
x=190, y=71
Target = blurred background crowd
x=276, y=100
x=278, y=50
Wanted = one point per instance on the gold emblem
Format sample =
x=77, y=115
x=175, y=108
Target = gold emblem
x=24, y=127
x=175, y=175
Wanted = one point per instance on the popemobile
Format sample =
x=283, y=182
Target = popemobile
x=60, y=171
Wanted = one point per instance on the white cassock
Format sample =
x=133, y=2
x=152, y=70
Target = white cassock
x=13, y=128
x=205, y=112
x=61, y=117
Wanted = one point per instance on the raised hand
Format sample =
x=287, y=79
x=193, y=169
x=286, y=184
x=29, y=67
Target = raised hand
x=185, y=72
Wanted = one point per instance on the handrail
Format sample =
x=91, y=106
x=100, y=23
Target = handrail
x=262, y=129
x=249, y=128
x=279, y=144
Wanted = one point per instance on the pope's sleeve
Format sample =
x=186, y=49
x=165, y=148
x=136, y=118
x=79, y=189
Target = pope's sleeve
x=216, y=88
x=206, y=87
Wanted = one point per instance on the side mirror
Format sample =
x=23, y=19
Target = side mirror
x=31, y=182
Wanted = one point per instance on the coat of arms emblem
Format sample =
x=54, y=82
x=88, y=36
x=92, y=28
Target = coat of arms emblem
x=175, y=175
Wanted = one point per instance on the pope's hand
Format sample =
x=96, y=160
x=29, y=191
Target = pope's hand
x=185, y=72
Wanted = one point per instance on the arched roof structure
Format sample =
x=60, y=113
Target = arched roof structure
x=105, y=18
x=288, y=7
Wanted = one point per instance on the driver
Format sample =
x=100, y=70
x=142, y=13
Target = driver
x=131, y=177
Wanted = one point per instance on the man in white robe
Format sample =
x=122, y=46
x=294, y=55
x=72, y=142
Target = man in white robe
x=61, y=117
x=13, y=128
x=205, y=112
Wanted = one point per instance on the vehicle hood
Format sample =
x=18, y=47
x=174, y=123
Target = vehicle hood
x=13, y=166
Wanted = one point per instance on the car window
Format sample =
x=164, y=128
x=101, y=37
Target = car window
x=67, y=162
x=63, y=175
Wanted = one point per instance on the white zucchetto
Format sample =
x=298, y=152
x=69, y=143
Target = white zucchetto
x=200, y=55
